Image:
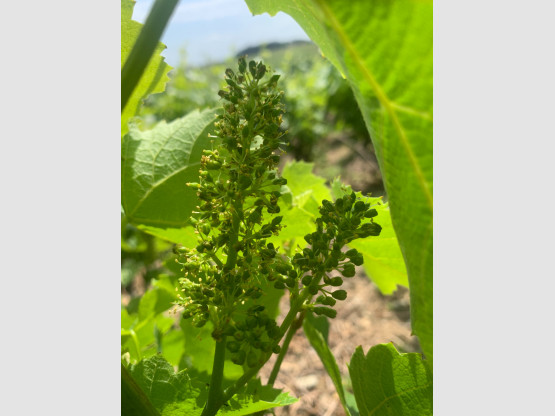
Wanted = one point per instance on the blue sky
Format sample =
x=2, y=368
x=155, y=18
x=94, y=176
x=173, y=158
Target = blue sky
x=212, y=30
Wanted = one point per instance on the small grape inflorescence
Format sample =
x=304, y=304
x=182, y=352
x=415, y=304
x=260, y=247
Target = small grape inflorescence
x=239, y=188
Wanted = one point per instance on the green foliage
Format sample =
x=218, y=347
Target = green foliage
x=154, y=77
x=384, y=49
x=246, y=234
x=134, y=401
x=174, y=393
x=388, y=383
x=156, y=163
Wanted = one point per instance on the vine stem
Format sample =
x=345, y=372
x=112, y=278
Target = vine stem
x=284, y=347
x=215, y=393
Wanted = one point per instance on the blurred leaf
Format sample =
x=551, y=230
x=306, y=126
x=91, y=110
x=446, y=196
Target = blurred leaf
x=156, y=166
x=384, y=49
x=184, y=235
x=173, y=344
x=388, y=383
x=317, y=334
x=308, y=190
x=154, y=302
x=155, y=75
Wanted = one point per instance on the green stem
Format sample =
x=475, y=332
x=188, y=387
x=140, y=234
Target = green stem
x=144, y=47
x=284, y=347
x=215, y=393
x=215, y=398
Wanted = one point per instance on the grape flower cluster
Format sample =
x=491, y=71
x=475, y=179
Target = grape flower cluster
x=239, y=188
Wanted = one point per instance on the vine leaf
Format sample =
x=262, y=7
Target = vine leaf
x=156, y=166
x=174, y=393
x=163, y=386
x=388, y=383
x=134, y=401
x=384, y=49
x=155, y=76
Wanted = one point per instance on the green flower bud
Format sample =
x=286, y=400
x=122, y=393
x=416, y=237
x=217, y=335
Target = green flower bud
x=239, y=357
x=369, y=228
x=340, y=294
x=279, y=285
x=348, y=270
x=277, y=220
x=261, y=71
x=328, y=301
x=321, y=310
x=290, y=282
x=233, y=346
x=371, y=213
x=252, y=359
x=336, y=281
x=242, y=65
x=358, y=259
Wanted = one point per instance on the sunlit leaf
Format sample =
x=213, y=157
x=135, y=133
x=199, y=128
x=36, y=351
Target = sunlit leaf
x=155, y=76
x=156, y=166
x=388, y=383
x=384, y=49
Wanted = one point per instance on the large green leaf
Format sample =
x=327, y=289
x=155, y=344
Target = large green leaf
x=154, y=77
x=388, y=383
x=156, y=166
x=384, y=49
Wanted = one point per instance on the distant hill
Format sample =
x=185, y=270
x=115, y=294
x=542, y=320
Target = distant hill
x=272, y=46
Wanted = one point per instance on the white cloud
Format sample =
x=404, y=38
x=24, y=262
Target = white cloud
x=207, y=10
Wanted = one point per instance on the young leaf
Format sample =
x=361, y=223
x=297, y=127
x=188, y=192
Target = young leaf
x=388, y=383
x=256, y=398
x=156, y=166
x=384, y=49
x=134, y=401
x=154, y=77
x=317, y=336
x=253, y=398
x=157, y=378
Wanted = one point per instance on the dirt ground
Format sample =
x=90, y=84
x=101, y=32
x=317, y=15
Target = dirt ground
x=365, y=318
